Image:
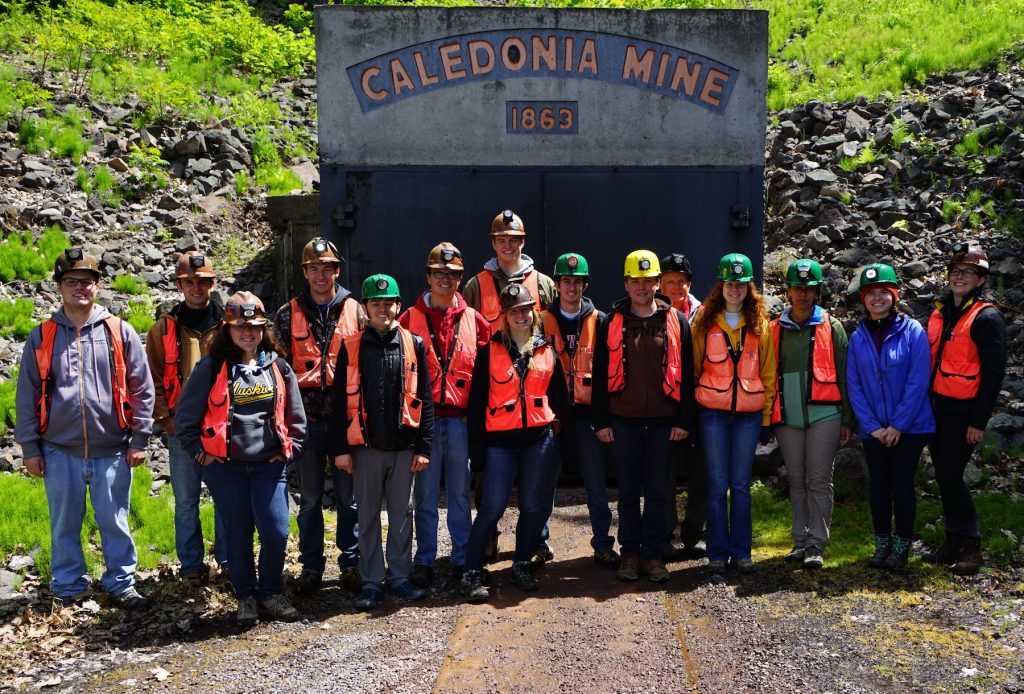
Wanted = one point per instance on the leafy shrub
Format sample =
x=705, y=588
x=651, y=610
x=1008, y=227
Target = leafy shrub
x=140, y=314
x=149, y=175
x=21, y=258
x=16, y=319
x=129, y=284
x=951, y=209
x=278, y=179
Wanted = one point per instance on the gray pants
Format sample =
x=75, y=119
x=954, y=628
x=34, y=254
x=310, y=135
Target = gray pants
x=383, y=477
x=809, y=455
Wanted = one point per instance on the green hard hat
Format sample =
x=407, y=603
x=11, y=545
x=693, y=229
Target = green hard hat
x=877, y=273
x=804, y=272
x=571, y=265
x=380, y=286
x=735, y=267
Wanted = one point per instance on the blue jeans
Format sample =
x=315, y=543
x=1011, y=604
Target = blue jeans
x=729, y=441
x=187, y=481
x=311, y=467
x=592, y=460
x=642, y=453
x=109, y=481
x=252, y=496
x=532, y=466
x=448, y=454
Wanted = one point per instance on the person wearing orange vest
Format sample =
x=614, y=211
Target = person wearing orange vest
x=734, y=360
x=676, y=282
x=175, y=343
x=517, y=394
x=811, y=416
x=241, y=418
x=570, y=325
x=452, y=334
x=509, y=265
x=967, y=334
x=313, y=327
x=642, y=404
x=382, y=401
x=84, y=409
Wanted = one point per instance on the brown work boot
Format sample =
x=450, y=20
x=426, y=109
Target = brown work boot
x=947, y=553
x=968, y=561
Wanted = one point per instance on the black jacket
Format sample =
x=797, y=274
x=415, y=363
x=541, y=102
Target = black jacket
x=380, y=369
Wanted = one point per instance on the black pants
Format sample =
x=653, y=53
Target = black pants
x=690, y=458
x=892, y=483
x=950, y=454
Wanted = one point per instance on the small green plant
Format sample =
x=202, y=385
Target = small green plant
x=149, y=168
x=976, y=166
x=129, y=284
x=971, y=144
x=140, y=314
x=974, y=220
x=8, y=389
x=16, y=318
x=849, y=164
x=867, y=156
x=298, y=17
x=951, y=209
x=995, y=150
x=23, y=258
x=974, y=197
x=278, y=179
x=900, y=133
x=846, y=197
x=241, y=183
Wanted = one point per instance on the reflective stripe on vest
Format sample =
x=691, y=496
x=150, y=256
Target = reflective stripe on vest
x=671, y=363
x=172, y=363
x=956, y=364
x=449, y=382
x=311, y=368
x=728, y=384
x=215, y=434
x=514, y=403
x=356, y=408
x=823, y=384
x=490, y=305
x=118, y=372
x=579, y=370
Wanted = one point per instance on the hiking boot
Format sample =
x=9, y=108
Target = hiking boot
x=130, y=600
x=744, y=566
x=698, y=550
x=368, y=599
x=947, y=553
x=898, y=555
x=968, y=560
x=72, y=600
x=491, y=551
x=307, y=583
x=716, y=566
x=248, y=612
x=796, y=555
x=814, y=558
x=521, y=577
x=350, y=579
x=883, y=545
x=628, y=568
x=608, y=558
x=192, y=579
x=407, y=590
x=656, y=571
x=472, y=587
x=541, y=557
x=278, y=607
x=422, y=575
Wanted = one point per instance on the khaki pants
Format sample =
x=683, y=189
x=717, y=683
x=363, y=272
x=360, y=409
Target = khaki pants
x=809, y=455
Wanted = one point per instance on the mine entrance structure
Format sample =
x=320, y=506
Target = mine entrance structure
x=605, y=130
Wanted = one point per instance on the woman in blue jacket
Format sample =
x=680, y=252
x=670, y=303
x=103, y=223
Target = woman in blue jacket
x=887, y=374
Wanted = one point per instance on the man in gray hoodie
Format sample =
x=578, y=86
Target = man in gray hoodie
x=85, y=413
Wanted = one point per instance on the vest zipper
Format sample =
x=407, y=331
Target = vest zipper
x=81, y=395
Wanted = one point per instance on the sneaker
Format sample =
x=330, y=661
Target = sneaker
x=422, y=575
x=656, y=571
x=813, y=558
x=407, y=590
x=368, y=599
x=278, y=607
x=248, y=612
x=192, y=579
x=608, y=558
x=521, y=577
x=541, y=557
x=883, y=545
x=72, y=600
x=350, y=579
x=716, y=566
x=472, y=587
x=898, y=555
x=796, y=555
x=744, y=566
x=698, y=550
x=130, y=600
x=307, y=583
x=628, y=568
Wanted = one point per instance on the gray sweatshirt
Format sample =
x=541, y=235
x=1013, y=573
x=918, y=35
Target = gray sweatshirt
x=252, y=389
x=82, y=420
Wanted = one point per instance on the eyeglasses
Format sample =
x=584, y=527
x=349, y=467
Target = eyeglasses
x=439, y=275
x=72, y=282
x=963, y=272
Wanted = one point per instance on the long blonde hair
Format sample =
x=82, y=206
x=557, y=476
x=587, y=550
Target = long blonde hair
x=507, y=340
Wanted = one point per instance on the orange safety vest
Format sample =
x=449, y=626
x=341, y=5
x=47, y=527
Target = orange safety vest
x=172, y=363
x=118, y=371
x=671, y=364
x=823, y=385
x=956, y=365
x=215, y=435
x=313, y=369
x=490, y=305
x=731, y=381
x=579, y=371
x=449, y=380
x=411, y=405
x=514, y=403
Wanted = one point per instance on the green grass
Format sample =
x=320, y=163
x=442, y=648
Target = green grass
x=129, y=284
x=23, y=258
x=100, y=182
x=8, y=389
x=140, y=314
x=16, y=318
x=59, y=136
x=970, y=146
x=278, y=179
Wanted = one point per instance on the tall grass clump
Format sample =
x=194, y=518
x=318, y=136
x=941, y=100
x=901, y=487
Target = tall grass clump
x=23, y=258
x=129, y=284
x=140, y=314
x=8, y=389
x=16, y=318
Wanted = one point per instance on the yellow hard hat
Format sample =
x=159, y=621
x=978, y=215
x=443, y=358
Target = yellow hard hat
x=642, y=264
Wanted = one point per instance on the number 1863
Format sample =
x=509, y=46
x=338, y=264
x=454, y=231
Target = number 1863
x=541, y=118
